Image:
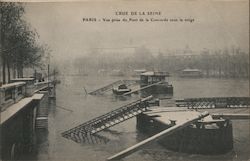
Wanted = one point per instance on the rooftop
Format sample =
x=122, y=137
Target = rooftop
x=140, y=70
x=180, y=115
x=156, y=73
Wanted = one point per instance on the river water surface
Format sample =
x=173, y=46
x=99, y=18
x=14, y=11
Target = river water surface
x=73, y=107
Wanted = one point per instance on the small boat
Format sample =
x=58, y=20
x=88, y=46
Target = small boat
x=121, y=89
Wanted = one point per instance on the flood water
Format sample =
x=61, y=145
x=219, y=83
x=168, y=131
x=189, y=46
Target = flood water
x=73, y=107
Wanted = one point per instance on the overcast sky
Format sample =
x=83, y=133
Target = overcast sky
x=217, y=24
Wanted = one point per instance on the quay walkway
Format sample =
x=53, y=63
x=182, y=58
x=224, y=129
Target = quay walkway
x=15, y=108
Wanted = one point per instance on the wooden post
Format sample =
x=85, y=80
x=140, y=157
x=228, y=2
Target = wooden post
x=48, y=82
x=158, y=136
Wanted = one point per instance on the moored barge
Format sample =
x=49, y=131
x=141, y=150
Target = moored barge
x=207, y=136
x=161, y=86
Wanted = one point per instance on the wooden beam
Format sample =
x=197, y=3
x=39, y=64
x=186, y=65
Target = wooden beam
x=158, y=136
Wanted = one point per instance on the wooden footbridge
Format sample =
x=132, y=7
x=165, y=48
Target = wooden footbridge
x=79, y=133
x=109, y=87
x=215, y=102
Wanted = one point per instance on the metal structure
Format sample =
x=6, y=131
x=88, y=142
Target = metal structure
x=81, y=132
x=215, y=102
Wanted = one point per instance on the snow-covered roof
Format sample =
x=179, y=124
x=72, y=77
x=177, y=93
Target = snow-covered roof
x=155, y=73
x=140, y=70
x=191, y=70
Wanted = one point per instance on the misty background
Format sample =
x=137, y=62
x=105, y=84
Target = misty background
x=217, y=42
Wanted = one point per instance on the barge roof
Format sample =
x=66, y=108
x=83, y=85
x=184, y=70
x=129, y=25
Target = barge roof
x=155, y=73
x=191, y=70
x=180, y=115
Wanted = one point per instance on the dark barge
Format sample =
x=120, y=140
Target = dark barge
x=208, y=136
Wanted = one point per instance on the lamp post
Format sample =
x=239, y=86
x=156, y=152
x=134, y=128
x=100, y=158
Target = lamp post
x=48, y=72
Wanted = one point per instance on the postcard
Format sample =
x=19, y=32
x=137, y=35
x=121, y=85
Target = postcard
x=124, y=80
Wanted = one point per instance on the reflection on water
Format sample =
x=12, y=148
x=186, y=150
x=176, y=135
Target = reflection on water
x=73, y=107
x=93, y=139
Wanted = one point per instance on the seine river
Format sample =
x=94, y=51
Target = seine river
x=73, y=107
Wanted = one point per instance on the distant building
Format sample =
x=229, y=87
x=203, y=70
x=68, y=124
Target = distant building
x=116, y=72
x=191, y=73
x=102, y=71
x=138, y=72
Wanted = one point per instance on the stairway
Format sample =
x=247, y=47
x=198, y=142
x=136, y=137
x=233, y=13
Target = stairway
x=42, y=117
x=79, y=133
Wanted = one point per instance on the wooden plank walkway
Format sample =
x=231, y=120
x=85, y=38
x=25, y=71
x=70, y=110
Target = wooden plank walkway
x=107, y=120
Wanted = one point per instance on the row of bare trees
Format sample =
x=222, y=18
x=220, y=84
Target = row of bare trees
x=230, y=63
x=18, y=46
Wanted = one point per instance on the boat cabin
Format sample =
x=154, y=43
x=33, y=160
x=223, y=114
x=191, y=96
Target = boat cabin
x=156, y=83
x=138, y=72
x=153, y=77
